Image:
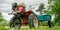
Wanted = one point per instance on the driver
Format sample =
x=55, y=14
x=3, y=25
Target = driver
x=18, y=9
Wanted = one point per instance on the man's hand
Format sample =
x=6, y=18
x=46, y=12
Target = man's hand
x=18, y=11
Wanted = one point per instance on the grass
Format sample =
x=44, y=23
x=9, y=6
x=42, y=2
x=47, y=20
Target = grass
x=40, y=28
x=43, y=28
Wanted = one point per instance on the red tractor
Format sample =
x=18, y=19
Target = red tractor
x=23, y=18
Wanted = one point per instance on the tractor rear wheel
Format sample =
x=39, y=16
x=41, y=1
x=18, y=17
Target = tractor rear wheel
x=33, y=22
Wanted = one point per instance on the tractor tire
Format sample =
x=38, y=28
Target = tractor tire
x=33, y=22
x=17, y=23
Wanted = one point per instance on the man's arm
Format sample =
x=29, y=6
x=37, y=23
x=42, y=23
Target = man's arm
x=10, y=13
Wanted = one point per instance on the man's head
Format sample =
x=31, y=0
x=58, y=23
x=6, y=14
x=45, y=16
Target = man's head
x=14, y=4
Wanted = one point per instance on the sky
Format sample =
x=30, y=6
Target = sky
x=6, y=5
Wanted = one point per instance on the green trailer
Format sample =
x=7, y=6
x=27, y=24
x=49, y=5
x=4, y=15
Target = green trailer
x=44, y=17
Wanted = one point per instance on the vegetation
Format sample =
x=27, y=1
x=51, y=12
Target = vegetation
x=2, y=23
x=41, y=7
x=54, y=7
x=1, y=18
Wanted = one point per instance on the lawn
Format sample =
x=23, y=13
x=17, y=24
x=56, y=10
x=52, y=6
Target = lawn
x=43, y=28
x=40, y=28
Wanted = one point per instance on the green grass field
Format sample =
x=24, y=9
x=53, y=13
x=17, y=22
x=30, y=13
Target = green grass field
x=43, y=28
x=40, y=28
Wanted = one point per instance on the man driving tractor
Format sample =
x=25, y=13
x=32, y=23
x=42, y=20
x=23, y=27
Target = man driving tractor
x=24, y=17
x=20, y=8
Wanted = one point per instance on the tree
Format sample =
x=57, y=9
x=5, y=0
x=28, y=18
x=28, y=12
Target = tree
x=1, y=18
x=41, y=7
x=54, y=5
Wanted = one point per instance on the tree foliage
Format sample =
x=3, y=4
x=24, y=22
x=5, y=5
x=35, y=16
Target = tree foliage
x=54, y=5
x=41, y=7
x=1, y=18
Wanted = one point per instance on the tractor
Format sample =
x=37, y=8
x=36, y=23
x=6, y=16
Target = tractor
x=28, y=17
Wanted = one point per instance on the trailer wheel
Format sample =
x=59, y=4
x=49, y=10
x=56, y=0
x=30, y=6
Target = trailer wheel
x=49, y=24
